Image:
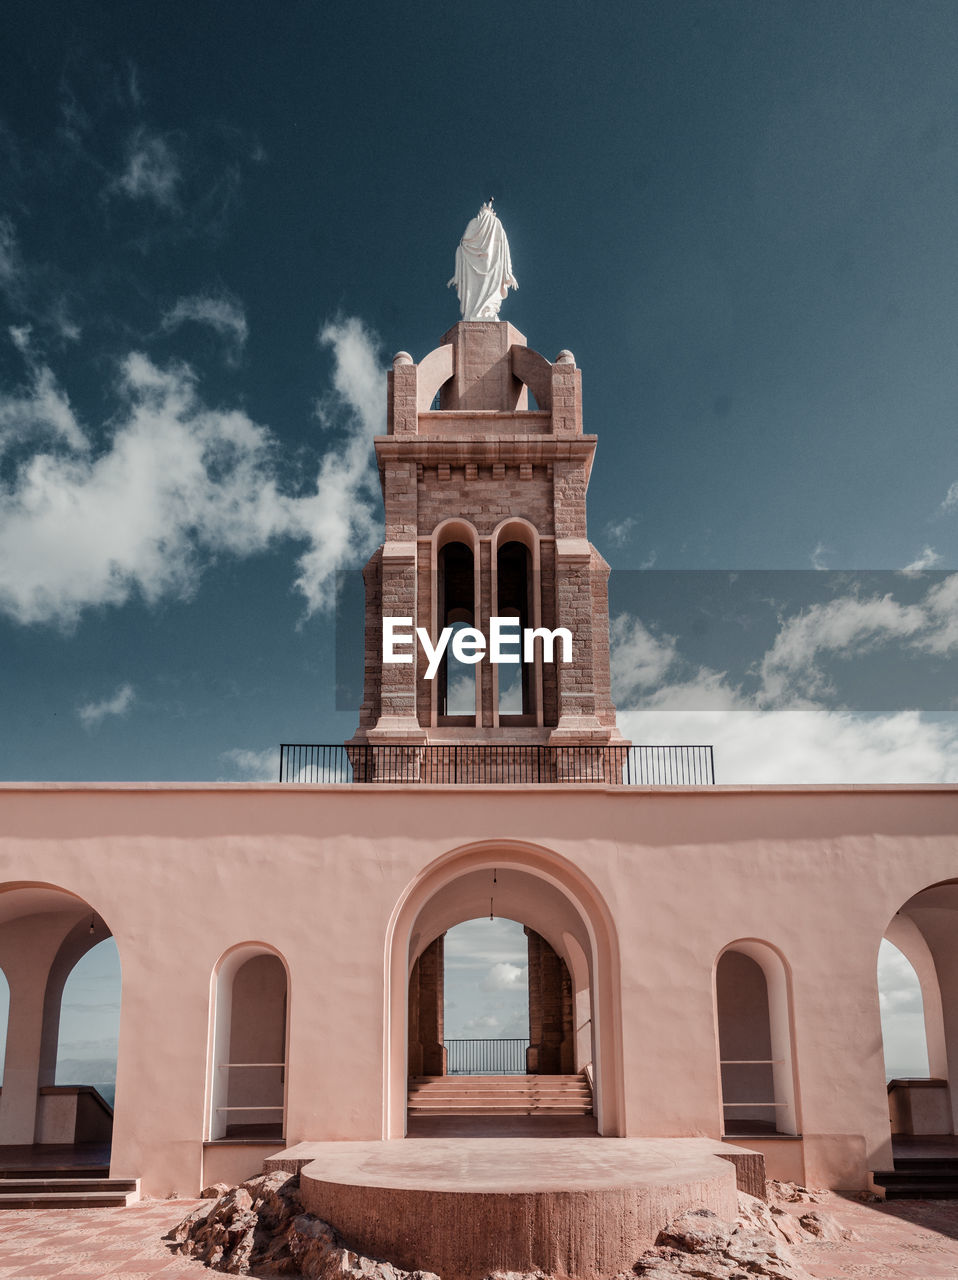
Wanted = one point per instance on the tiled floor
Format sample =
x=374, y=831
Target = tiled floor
x=898, y=1240
x=903, y=1240
x=95, y=1244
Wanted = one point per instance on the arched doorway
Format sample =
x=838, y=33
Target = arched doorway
x=552, y=898
x=45, y=932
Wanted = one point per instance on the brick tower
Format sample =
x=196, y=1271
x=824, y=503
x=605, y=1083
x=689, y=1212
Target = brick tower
x=486, y=516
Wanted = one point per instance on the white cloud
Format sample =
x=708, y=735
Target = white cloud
x=928, y=558
x=806, y=746
x=950, y=501
x=505, y=977
x=341, y=519
x=845, y=626
x=253, y=766
x=817, y=557
x=152, y=171
x=619, y=532
x=11, y=266
x=177, y=481
x=91, y=713
x=179, y=484
x=41, y=409
x=941, y=603
x=757, y=741
x=221, y=312
x=640, y=660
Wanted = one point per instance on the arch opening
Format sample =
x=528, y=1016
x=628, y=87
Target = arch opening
x=917, y=978
x=485, y=997
x=59, y=1061
x=89, y=1024
x=249, y=1042
x=569, y=949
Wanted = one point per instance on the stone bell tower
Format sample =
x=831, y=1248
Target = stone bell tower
x=485, y=502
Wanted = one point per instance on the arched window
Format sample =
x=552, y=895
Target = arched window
x=457, y=609
x=751, y=995
x=513, y=591
x=248, y=1087
x=516, y=573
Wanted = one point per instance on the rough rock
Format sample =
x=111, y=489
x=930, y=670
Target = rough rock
x=260, y=1226
x=700, y=1244
x=321, y=1255
x=215, y=1190
x=814, y=1224
x=823, y=1226
x=518, y=1275
x=246, y=1227
x=794, y=1193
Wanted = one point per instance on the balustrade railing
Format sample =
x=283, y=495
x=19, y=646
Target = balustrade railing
x=486, y=1057
x=491, y=763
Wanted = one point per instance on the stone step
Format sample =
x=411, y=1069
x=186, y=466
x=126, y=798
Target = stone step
x=19, y=1192
x=67, y=1193
x=499, y=1081
x=493, y=1099
x=499, y=1096
x=15, y=1185
x=512, y=1100
x=923, y=1164
x=910, y=1184
x=503, y=1109
x=559, y=1092
x=582, y=1105
x=495, y=1091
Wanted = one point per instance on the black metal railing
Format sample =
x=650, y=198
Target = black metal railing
x=486, y=1057
x=674, y=766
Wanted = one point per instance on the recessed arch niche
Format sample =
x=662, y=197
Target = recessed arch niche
x=249, y=1044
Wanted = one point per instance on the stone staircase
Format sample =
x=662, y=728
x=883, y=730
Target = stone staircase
x=65, y=1189
x=500, y=1096
x=919, y=1178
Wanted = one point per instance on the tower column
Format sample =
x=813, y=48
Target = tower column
x=398, y=716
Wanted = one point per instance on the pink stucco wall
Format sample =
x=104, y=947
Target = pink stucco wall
x=347, y=884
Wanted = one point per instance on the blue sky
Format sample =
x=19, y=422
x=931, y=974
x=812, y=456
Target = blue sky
x=217, y=225
x=214, y=234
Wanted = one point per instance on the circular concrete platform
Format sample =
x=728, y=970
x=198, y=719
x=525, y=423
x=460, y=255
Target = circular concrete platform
x=583, y=1207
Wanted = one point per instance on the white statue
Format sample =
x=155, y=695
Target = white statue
x=483, y=267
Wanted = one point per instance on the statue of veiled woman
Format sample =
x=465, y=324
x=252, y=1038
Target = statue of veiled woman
x=483, y=267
